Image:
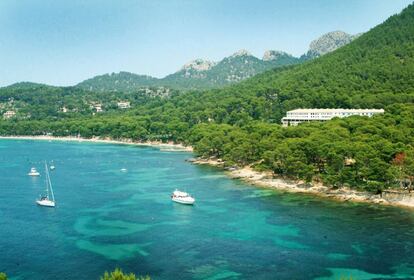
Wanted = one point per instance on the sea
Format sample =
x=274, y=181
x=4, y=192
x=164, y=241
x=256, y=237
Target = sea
x=106, y=218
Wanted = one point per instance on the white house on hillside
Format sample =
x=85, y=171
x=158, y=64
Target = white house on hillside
x=9, y=114
x=124, y=104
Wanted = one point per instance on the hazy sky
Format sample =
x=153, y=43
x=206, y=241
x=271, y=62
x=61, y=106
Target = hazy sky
x=63, y=42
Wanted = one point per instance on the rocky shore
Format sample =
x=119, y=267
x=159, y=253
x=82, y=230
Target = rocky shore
x=266, y=179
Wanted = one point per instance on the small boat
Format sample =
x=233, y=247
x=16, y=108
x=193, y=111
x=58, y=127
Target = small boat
x=52, y=166
x=48, y=199
x=182, y=197
x=124, y=170
x=33, y=172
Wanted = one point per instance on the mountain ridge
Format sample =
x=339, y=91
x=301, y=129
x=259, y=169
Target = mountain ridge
x=204, y=74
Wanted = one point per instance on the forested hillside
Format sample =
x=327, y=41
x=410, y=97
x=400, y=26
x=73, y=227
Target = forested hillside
x=42, y=102
x=240, y=123
x=374, y=70
x=120, y=82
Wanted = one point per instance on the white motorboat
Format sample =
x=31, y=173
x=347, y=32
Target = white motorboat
x=124, y=170
x=33, y=172
x=48, y=199
x=182, y=197
x=52, y=166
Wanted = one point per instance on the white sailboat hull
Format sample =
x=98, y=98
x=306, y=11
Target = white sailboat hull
x=46, y=203
x=47, y=200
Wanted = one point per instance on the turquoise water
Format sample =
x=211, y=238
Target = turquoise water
x=106, y=218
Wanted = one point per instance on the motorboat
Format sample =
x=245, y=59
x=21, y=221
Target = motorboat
x=47, y=200
x=33, y=172
x=182, y=197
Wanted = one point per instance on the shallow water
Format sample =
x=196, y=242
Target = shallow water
x=106, y=218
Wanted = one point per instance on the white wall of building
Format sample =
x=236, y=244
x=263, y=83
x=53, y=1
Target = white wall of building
x=297, y=116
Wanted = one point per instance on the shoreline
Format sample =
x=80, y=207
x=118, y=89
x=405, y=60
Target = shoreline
x=250, y=176
x=267, y=180
x=169, y=146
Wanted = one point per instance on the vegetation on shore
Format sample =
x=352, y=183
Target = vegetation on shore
x=118, y=274
x=240, y=124
x=358, y=152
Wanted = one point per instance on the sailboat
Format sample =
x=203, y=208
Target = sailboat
x=47, y=200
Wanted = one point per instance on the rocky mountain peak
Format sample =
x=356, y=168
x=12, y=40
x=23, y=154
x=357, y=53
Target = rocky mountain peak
x=198, y=65
x=241, y=53
x=329, y=42
x=273, y=55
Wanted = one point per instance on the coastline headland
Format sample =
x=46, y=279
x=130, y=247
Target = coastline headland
x=268, y=180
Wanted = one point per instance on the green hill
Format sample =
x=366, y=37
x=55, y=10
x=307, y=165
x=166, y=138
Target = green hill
x=120, y=82
x=33, y=101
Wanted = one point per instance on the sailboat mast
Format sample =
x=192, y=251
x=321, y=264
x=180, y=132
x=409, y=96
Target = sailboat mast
x=47, y=181
x=50, y=185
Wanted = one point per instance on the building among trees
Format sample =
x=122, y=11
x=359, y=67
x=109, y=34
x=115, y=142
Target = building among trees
x=9, y=114
x=298, y=116
x=124, y=105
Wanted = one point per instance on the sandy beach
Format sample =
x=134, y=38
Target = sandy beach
x=267, y=180
x=169, y=146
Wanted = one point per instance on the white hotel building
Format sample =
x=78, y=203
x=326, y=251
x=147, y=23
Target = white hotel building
x=298, y=116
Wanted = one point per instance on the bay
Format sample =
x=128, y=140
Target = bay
x=106, y=218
